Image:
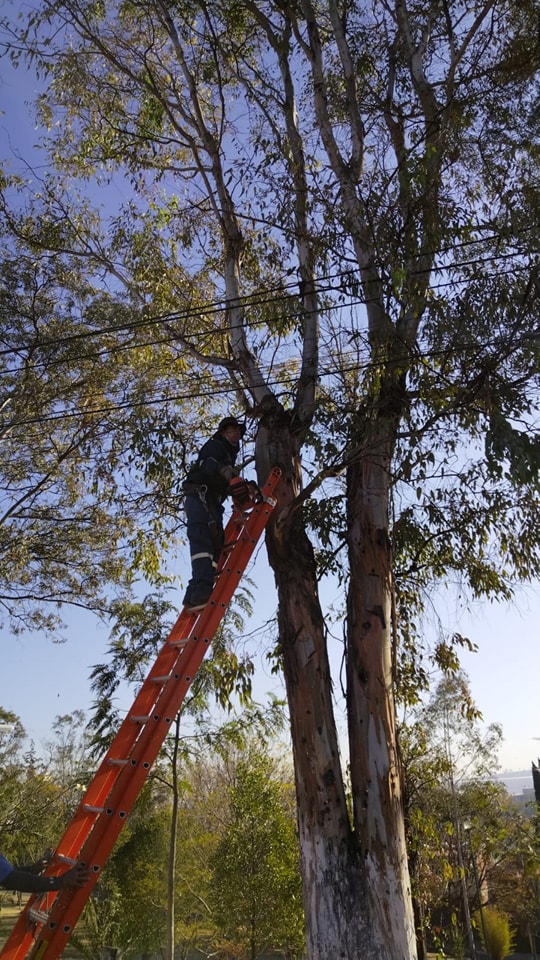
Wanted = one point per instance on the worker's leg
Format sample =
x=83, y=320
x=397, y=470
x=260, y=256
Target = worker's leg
x=203, y=548
x=215, y=523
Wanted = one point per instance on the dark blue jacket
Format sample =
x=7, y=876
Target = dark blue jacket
x=213, y=455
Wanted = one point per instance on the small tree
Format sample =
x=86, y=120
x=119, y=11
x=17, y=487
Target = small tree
x=129, y=911
x=31, y=796
x=257, y=894
x=495, y=933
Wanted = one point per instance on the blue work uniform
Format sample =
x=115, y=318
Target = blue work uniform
x=5, y=868
x=205, y=490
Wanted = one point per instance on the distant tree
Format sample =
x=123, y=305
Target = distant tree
x=69, y=760
x=31, y=809
x=256, y=885
x=447, y=757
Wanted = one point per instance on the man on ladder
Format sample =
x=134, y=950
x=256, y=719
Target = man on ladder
x=206, y=487
x=48, y=919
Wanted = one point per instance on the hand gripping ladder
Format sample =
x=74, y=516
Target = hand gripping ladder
x=46, y=923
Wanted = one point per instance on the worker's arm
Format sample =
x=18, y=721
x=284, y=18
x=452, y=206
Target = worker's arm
x=215, y=460
x=27, y=882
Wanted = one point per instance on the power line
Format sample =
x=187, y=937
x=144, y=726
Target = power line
x=261, y=298
x=251, y=300
x=356, y=366
x=208, y=308
x=203, y=395
x=272, y=383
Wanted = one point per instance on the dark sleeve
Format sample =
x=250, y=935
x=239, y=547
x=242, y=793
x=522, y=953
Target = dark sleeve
x=5, y=869
x=28, y=882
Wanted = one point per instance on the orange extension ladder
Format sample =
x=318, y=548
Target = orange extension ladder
x=46, y=923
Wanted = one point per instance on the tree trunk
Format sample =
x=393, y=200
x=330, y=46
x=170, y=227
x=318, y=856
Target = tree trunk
x=337, y=920
x=419, y=922
x=375, y=768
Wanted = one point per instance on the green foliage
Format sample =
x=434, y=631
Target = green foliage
x=454, y=939
x=256, y=888
x=133, y=890
x=508, y=857
x=66, y=518
x=519, y=450
x=495, y=932
x=129, y=906
x=38, y=794
x=139, y=630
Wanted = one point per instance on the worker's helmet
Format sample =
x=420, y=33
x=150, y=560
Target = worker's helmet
x=231, y=422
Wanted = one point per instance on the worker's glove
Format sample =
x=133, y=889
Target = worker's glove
x=255, y=494
x=239, y=491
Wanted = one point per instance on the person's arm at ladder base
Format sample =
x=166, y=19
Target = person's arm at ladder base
x=13, y=878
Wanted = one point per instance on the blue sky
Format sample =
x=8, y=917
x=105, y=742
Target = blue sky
x=40, y=680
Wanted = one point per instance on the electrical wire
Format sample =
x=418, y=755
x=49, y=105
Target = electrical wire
x=195, y=395
x=262, y=298
x=325, y=284
x=274, y=383
x=203, y=309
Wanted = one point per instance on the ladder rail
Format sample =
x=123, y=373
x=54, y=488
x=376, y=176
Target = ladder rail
x=110, y=796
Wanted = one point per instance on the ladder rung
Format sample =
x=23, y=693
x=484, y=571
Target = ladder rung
x=178, y=643
x=140, y=719
x=37, y=916
x=160, y=679
x=62, y=859
x=90, y=809
x=116, y=762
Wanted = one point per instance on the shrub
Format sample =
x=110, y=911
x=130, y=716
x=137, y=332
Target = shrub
x=495, y=933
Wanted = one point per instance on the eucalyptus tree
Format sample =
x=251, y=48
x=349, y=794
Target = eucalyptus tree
x=64, y=437
x=343, y=193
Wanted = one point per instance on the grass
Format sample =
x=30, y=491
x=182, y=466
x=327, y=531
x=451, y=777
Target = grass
x=9, y=912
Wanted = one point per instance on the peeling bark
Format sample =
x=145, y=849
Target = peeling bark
x=335, y=899
x=375, y=767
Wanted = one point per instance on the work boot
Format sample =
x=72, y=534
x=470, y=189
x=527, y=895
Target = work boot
x=198, y=599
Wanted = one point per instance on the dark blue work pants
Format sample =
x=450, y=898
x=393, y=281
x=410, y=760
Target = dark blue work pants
x=205, y=535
